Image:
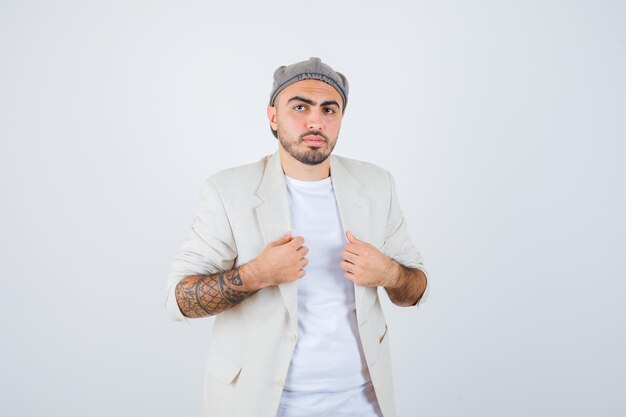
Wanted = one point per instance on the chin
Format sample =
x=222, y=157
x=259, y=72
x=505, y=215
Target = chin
x=313, y=159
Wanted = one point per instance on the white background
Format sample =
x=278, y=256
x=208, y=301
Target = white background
x=502, y=121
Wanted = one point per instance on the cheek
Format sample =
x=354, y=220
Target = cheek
x=292, y=120
x=334, y=126
x=293, y=125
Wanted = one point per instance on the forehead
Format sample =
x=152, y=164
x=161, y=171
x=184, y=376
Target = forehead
x=313, y=89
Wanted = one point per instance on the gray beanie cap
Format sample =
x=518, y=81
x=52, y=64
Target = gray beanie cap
x=312, y=69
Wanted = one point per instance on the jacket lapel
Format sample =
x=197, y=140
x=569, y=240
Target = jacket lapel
x=354, y=210
x=275, y=219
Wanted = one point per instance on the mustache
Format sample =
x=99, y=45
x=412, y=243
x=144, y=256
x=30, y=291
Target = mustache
x=316, y=133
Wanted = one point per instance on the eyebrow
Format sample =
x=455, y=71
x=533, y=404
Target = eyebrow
x=329, y=103
x=312, y=103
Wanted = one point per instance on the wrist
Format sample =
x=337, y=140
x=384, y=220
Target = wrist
x=394, y=275
x=249, y=274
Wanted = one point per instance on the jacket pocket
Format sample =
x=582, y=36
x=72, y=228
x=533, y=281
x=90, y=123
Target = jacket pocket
x=221, y=366
x=381, y=337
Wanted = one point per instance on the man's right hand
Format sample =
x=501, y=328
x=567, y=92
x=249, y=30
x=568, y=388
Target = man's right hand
x=280, y=261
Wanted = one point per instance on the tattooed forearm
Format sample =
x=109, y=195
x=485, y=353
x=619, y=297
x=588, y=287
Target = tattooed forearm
x=409, y=286
x=207, y=295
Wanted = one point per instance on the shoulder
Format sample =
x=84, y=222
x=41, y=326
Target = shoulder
x=247, y=175
x=365, y=172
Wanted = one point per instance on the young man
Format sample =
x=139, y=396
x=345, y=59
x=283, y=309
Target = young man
x=289, y=252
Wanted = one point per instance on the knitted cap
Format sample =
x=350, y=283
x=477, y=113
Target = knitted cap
x=312, y=69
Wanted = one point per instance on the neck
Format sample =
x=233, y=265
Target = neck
x=303, y=172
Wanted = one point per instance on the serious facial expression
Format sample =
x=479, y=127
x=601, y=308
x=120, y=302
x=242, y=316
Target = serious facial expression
x=307, y=116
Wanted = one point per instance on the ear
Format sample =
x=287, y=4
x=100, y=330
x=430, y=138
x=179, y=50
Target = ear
x=271, y=116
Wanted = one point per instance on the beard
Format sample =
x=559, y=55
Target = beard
x=310, y=155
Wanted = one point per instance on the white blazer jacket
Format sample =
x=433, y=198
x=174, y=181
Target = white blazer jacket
x=242, y=209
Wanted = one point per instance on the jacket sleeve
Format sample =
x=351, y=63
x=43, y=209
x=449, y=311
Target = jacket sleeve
x=209, y=248
x=398, y=245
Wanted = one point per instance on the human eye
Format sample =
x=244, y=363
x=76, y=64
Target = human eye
x=299, y=107
x=328, y=110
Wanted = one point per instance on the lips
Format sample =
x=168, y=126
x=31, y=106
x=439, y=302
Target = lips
x=314, y=140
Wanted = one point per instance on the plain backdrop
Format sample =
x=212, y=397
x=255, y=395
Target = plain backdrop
x=503, y=123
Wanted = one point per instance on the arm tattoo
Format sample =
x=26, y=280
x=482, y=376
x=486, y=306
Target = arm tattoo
x=207, y=295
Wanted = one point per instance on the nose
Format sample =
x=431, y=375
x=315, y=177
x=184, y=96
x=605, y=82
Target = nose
x=314, y=122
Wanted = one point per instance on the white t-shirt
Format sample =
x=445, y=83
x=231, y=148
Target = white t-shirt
x=328, y=372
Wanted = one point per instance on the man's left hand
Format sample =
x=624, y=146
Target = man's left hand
x=366, y=265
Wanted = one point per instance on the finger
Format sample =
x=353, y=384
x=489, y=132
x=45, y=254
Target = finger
x=303, y=250
x=348, y=256
x=351, y=237
x=350, y=276
x=296, y=276
x=283, y=239
x=352, y=248
x=304, y=262
x=347, y=266
x=297, y=241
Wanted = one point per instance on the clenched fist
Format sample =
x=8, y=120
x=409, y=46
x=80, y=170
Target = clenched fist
x=280, y=261
x=365, y=264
